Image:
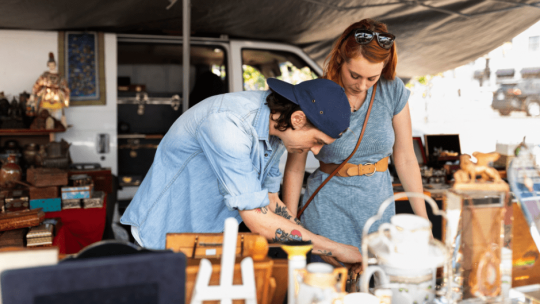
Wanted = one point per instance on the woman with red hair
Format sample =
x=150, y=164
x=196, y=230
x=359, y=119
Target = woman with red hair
x=363, y=60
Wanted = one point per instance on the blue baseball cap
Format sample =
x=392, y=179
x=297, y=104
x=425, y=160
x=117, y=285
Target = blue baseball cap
x=323, y=101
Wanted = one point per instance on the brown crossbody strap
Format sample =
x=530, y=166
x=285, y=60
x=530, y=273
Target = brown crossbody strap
x=346, y=160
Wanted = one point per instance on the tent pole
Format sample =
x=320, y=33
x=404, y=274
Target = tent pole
x=186, y=36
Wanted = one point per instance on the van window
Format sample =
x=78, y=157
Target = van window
x=157, y=69
x=258, y=65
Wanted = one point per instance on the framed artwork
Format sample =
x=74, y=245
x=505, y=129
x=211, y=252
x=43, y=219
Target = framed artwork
x=419, y=151
x=81, y=60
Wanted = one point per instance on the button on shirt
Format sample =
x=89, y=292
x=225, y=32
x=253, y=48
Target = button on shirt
x=216, y=159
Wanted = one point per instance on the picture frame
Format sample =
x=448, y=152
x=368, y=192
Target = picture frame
x=419, y=150
x=81, y=60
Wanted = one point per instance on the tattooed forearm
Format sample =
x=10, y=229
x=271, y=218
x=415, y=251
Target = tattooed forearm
x=297, y=221
x=323, y=252
x=262, y=210
x=282, y=211
x=284, y=237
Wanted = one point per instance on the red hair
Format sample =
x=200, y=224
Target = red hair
x=343, y=51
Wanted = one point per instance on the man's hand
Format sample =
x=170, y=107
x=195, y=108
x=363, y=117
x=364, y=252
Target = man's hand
x=353, y=269
x=348, y=254
x=342, y=253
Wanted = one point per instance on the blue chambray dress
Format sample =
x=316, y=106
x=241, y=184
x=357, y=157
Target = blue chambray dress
x=342, y=207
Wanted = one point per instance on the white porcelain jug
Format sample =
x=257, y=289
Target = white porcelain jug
x=320, y=283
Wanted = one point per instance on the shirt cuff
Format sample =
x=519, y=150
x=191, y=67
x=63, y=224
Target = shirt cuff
x=272, y=183
x=247, y=201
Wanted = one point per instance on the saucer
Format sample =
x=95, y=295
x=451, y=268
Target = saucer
x=435, y=255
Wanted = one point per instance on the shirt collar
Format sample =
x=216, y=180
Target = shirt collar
x=262, y=121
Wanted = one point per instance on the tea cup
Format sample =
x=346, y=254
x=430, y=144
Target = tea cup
x=408, y=234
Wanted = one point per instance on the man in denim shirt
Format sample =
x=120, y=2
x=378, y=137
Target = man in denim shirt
x=220, y=159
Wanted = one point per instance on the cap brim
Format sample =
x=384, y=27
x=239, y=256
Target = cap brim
x=283, y=88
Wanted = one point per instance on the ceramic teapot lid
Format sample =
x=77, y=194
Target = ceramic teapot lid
x=435, y=255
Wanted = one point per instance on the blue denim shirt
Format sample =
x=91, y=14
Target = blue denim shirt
x=216, y=159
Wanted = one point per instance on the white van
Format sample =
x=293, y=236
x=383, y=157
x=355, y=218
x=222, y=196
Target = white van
x=150, y=84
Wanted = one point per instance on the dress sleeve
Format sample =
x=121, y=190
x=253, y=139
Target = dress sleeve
x=227, y=143
x=401, y=95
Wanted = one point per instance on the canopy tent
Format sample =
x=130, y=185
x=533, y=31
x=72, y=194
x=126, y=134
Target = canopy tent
x=432, y=36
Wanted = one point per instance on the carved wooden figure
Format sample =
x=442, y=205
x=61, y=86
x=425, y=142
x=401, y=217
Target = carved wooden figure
x=466, y=177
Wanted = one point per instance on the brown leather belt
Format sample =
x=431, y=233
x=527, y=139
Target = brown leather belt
x=355, y=170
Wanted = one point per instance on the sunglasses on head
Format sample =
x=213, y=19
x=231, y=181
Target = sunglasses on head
x=363, y=36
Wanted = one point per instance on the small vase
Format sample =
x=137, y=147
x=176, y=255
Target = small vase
x=10, y=173
x=29, y=153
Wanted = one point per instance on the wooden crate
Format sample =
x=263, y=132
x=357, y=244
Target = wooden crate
x=209, y=245
x=46, y=177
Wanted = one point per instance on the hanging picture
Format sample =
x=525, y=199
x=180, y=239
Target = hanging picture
x=82, y=63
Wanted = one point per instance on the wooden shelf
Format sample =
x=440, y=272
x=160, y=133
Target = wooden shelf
x=28, y=132
x=140, y=136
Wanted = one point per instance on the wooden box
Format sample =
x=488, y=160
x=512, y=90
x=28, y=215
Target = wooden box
x=12, y=204
x=21, y=219
x=209, y=245
x=71, y=204
x=15, y=200
x=96, y=201
x=101, y=177
x=41, y=235
x=43, y=192
x=77, y=192
x=13, y=238
x=46, y=177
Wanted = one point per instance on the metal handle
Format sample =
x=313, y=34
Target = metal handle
x=383, y=207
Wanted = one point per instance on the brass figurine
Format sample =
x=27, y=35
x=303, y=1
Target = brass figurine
x=50, y=92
